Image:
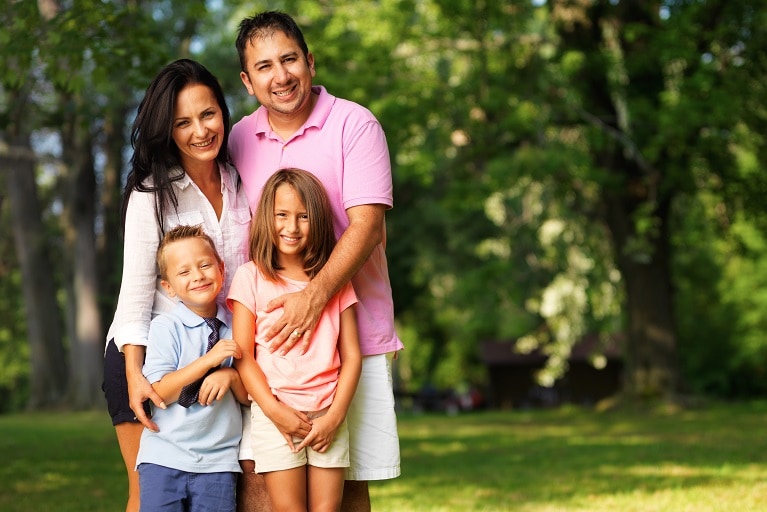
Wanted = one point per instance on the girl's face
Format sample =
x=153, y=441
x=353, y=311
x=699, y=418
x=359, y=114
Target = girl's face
x=291, y=222
x=198, y=126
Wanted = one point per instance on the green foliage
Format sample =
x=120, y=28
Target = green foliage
x=14, y=351
x=517, y=130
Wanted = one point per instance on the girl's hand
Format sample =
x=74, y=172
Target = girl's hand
x=289, y=422
x=322, y=434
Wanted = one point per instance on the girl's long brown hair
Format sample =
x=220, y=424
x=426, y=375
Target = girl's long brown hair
x=322, y=239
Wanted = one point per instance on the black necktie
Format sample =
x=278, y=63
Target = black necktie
x=190, y=392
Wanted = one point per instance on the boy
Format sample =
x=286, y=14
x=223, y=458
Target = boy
x=192, y=461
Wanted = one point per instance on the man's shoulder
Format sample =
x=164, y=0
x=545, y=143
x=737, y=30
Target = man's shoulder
x=342, y=107
x=352, y=109
x=247, y=120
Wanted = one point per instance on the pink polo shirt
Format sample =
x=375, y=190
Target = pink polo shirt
x=343, y=144
x=306, y=382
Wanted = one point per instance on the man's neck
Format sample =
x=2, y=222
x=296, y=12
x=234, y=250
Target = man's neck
x=285, y=125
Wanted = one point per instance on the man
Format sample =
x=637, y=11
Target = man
x=340, y=142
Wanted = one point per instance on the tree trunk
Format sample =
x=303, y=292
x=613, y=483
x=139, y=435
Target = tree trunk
x=48, y=378
x=109, y=243
x=650, y=369
x=619, y=85
x=87, y=339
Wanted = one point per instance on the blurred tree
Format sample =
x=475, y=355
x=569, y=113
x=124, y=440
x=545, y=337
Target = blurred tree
x=653, y=88
x=22, y=28
x=72, y=73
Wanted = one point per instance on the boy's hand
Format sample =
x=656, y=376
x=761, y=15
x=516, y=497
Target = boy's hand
x=221, y=351
x=215, y=385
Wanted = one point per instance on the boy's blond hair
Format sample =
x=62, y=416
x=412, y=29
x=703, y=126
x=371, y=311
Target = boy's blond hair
x=182, y=233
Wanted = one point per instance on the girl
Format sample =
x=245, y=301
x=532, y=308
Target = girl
x=291, y=238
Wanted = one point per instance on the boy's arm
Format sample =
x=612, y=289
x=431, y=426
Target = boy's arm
x=215, y=386
x=287, y=420
x=324, y=428
x=170, y=385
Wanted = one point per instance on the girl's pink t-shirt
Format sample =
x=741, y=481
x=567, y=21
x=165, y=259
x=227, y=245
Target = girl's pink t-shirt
x=304, y=382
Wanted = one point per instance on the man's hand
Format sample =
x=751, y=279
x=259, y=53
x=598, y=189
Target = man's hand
x=301, y=312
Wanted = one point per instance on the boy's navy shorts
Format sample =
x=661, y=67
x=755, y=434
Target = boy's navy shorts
x=115, y=387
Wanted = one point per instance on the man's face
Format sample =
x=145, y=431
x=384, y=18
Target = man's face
x=279, y=75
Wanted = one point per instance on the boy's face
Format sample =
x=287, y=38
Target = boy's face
x=194, y=275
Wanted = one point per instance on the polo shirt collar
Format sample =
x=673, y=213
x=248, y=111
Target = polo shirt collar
x=191, y=319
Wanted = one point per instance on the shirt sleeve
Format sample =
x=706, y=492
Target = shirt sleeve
x=346, y=297
x=139, y=275
x=367, y=167
x=243, y=288
x=163, y=351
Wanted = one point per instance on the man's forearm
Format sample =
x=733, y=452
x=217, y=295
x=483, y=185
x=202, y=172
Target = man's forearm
x=353, y=249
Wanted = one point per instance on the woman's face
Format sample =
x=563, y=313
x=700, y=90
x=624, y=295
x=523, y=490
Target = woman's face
x=198, y=126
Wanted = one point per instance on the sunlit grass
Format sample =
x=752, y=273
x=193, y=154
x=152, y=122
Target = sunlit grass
x=712, y=459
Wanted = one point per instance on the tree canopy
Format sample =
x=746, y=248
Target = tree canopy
x=561, y=168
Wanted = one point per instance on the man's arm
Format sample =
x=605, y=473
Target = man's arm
x=302, y=309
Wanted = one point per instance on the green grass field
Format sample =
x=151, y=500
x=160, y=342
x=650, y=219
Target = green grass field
x=708, y=459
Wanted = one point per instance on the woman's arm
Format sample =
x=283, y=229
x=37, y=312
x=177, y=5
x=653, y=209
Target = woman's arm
x=134, y=304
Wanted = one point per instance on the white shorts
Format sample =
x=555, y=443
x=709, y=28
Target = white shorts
x=246, y=450
x=373, y=439
x=273, y=454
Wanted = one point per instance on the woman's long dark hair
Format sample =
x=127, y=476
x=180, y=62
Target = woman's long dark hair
x=155, y=153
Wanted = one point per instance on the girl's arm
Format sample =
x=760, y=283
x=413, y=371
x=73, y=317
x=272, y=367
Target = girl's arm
x=324, y=428
x=288, y=420
x=351, y=365
x=238, y=388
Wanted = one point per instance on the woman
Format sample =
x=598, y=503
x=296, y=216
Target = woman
x=179, y=175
